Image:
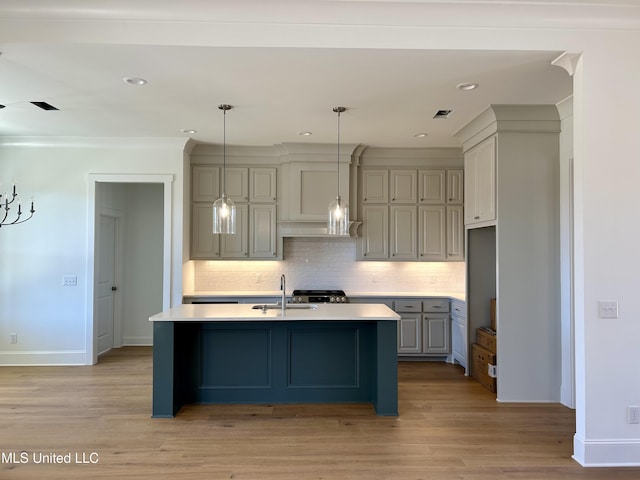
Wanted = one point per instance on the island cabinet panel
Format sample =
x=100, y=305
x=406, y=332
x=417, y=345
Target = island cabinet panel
x=274, y=362
x=224, y=353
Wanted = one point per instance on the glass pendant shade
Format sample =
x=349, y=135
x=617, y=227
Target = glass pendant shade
x=338, y=218
x=224, y=215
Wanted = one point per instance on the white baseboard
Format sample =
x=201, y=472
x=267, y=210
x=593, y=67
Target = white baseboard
x=606, y=452
x=43, y=358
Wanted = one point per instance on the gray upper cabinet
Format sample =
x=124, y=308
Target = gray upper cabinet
x=205, y=183
x=404, y=185
x=375, y=238
x=262, y=185
x=237, y=183
x=455, y=187
x=480, y=183
x=253, y=189
x=431, y=186
x=375, y=186
x=412, y=214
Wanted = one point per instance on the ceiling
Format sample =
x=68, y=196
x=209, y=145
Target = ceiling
x=277, y=92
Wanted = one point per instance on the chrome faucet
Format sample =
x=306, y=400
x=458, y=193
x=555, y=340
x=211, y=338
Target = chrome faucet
x=283, y=287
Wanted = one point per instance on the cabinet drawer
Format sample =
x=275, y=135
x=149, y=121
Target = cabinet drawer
x=407, y=306
x=436, y=305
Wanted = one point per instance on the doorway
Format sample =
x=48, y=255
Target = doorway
x=130, y=230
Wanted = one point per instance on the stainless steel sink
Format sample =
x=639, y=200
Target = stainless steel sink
x=288, y=306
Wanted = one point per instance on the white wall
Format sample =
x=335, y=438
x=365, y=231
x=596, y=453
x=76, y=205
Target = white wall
x=329, y=263
x=50, y=319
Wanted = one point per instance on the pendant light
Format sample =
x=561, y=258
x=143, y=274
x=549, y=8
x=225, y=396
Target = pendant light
x=338, y=210
x=224, y=210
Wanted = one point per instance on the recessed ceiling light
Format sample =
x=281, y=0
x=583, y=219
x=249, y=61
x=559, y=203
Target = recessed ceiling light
x=134, y=80
x=467, y=86
x=187, y=130
x=420, y=135
x=305, y=134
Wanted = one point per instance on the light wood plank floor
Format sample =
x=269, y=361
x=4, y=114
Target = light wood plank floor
x=449, y=427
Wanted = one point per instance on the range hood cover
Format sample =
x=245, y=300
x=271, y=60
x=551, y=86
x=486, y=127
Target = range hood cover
x=308, y=228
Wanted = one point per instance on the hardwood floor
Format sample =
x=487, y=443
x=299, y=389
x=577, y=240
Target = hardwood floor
x=449, y=427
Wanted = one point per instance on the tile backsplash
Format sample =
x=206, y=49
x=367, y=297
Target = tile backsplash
x=328, y=263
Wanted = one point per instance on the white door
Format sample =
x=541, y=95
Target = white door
x=106, y=282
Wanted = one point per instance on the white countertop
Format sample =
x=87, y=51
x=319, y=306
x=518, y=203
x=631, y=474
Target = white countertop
x=245, y=312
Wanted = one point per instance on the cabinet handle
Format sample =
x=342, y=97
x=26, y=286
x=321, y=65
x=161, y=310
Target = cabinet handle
x=365, y=199
x=393, y=199
x=477, y=217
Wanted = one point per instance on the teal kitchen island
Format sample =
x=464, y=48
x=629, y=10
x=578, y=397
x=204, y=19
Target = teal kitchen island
x=236, y=353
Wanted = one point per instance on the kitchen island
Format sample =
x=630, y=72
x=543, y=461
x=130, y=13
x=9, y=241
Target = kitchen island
x=235, y=353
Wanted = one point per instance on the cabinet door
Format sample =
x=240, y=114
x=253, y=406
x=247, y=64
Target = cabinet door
x=375, y=186
x=455, y=233
x=375, y=232
x=236, y=245
x=435, y=334
x=204, y=244
x=205, y=183
x=431, y=186
x=431, y=233
x=313, y=186
x=262, y=185
x=237, y=184
x=480, y=186
x=404, y=186
x=409, y=338
x=455, y=187
x=262, y=225
x=403, y=233
x=459, y=340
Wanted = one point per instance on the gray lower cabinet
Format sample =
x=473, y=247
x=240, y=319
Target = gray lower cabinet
x=424, y=327
x=459, y=332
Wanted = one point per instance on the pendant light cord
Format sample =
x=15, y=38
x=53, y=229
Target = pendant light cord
x=338, y=153
x=339, y=110
x=224, y=151
x=224, y=107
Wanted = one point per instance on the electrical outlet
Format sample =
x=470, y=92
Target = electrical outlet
x=70, y=281
x=608, y=309
x=13, y=338
x=634, y=414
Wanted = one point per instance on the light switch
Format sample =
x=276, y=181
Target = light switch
x=608, y=309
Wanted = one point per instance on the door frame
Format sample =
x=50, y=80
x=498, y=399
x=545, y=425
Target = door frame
x=91, y=347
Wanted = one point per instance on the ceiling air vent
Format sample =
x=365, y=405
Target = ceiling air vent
x=443, y=114
x=44, y=105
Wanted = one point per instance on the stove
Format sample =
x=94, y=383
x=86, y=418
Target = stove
x=319, y=296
